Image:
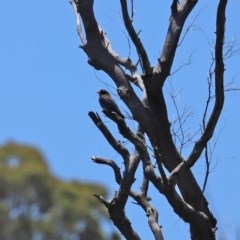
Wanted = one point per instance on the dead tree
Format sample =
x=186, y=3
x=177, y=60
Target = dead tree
x=151, y=115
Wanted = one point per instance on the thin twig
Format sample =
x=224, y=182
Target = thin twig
x=135, y=38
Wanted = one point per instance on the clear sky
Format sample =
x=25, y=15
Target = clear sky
x=47, y=89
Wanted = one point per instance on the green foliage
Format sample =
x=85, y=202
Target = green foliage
x=34, y=204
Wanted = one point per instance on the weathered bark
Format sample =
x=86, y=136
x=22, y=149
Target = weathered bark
x=152, y=117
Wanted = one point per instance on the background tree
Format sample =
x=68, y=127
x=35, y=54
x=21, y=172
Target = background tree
x=167, y=170
x=34, y=204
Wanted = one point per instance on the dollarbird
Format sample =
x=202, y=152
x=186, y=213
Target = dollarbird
x=107, y=103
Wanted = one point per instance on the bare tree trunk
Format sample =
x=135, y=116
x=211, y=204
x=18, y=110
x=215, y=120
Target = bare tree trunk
x=152, y=117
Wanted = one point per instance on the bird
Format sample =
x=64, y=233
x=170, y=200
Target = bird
x=107, y=103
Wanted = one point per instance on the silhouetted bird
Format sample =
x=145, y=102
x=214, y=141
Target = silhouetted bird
x=107, y=102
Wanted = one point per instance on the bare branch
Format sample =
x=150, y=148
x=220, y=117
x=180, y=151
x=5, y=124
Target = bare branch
x=180, y=133
x=208, y=162
x=78, y=21
x=122, y=223
x=219, y=85
x=101, y=58
x=158, y=157
x=125, y=62
x=179, y=14
x=136, y=81
x=179, y=119
x=102, y=200
x=135, y=39
x=112, y=164
x=189, y=27
x=116, y=206
x=189, y=61
x=176, y=173
x=183, y=209
x=151, y=213
x=112, y=141
x=230, y=87
x=204, y=123
x=135, y=139
x=153, y=223
x=231, y=49
x=145, y=185
x=208, y=150
x=208, y=153
x=143, y=200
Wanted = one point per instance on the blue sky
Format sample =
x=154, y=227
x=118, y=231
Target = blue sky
x=47, y=89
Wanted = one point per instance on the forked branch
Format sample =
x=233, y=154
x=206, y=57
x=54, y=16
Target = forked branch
x=219, y=86
x=179, y=14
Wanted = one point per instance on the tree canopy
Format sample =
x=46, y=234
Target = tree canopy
x=34, y=204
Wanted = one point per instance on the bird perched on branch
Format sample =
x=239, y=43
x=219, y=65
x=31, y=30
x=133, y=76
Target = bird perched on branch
x=107, y=103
